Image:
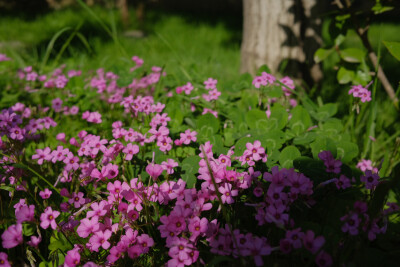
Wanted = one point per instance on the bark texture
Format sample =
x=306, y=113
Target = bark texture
x=283, y=34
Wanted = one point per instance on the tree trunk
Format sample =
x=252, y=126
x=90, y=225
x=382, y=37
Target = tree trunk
x=123, y=7
x=278, y=34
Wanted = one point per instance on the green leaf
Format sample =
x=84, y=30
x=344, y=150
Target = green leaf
x=28, y=229
x=323, y=143
x=288, y=154
x=346, y=151
x=378, y=8
x=208, y=123
x=190, y=166
x=7, y=188
x=352, y=55
x=339, y=39
x=263, y=68
x=305, y=138
x=313, y=169
x=256, y=119
x=394, y=48
x=321, y=54
x=300, y=120
x=274, y=91
x=325, y=112
x=345, y=76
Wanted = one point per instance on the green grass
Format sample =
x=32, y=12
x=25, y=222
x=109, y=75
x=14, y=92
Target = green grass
x=188, y=50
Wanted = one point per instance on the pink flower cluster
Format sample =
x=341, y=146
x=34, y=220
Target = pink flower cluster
x=285, y=187
x=263, y=80
x=330, y=163
x=358, y=219
x=360, y=92
x=93, y=117
x=13, y=126
x=365, y=165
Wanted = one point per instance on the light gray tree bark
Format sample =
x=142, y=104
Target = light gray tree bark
x=283, y=34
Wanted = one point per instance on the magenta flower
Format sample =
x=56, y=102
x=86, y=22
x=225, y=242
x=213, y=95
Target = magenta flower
x=130, y=150
x=154, y=170
x=370, y=179
x=45, y=194
x=100, y=239
x=323, y=259
x=352, y=221
x=48, y=218
x=197, y=227
x=343, y=182
x=365, y=165
x=42, y=154
x=77, y=199
x=88, y=226
x=146, y=242
x=188, y=136
x=12, y=237
x=3, y=57
x=25, y=214
x=71, y=161
x=56, y=104
x=227, y=193
x=258, y=247
x=35, y=241
x=313, y=243
x=210, y=83
x=98, y=209
x=255, y=150
x=72, y=258
x=3, y=256
x=169, y=165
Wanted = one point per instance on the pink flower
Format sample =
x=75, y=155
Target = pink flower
x=3, y=256
x=169, y=165
x=197, y=227
x=154, y=170
x=35, y=241
x=88, y=226
x=12, y=237
x=210, y=83
x=343, y=182
x=45, y=194
x=25, y=214
x=206, y=110
x=361, y=92
x=313, y=243
x=48, y=218
x=42, y=154
x=145, y=241
x=352, y=221
x=77, y=199
x=57, y=104
x=263, y=80
x=100, y=239
x=370, y=179
x=130, y=150
x=364, y=165
x=72, y=258
x=3, y=57
x=227, y=193
x=289, y=83
x=255, y=150
x=188, y=136
x=323, y=259
x=258, y=247
x=71, y=161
